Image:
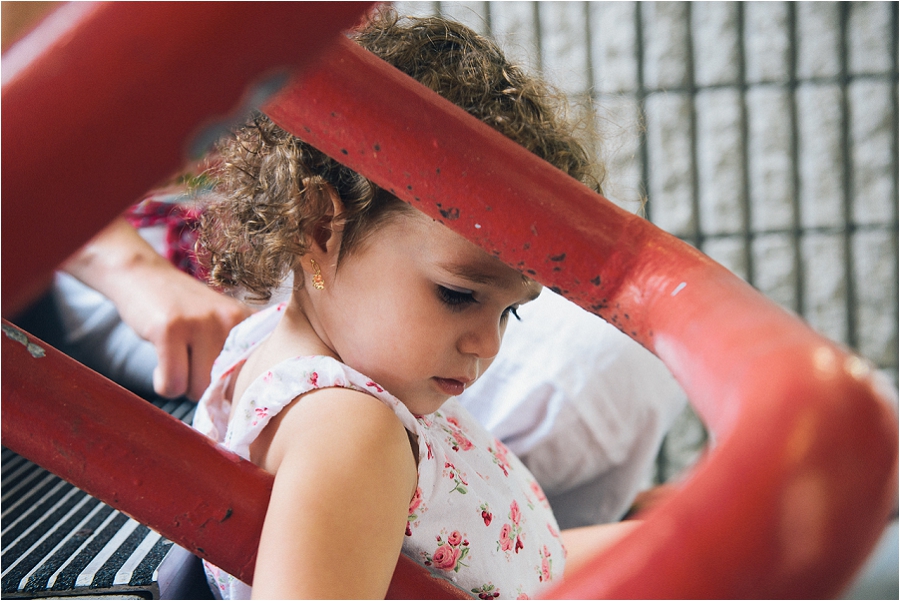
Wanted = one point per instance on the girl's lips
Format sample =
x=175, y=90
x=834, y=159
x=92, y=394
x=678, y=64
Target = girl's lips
x=450, y=386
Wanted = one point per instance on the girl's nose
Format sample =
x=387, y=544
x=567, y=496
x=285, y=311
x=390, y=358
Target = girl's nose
x=481, y=340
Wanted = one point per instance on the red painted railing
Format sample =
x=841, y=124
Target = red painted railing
x=106, y=100
x=803, y=474
x=137, y=458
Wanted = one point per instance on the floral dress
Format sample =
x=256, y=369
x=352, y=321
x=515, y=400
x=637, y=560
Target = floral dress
x=478, y=518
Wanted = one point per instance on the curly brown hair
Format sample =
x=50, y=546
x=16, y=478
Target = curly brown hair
x=273, y=187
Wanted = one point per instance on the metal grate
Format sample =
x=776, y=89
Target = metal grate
x=59, y=541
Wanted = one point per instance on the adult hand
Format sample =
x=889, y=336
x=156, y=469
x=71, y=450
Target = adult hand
x=186, y=321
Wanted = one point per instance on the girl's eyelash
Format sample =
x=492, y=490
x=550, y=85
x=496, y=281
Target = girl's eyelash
x=514, y=311
x=457, y=300
x=454, y=298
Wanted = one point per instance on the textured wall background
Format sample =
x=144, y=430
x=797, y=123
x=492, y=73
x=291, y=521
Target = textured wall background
x=763, y=133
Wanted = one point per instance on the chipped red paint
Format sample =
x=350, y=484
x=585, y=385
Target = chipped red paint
x=103, y=101
x=788, y=503
x=803, y=475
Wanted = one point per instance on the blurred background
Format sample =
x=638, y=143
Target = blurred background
x=762, y=133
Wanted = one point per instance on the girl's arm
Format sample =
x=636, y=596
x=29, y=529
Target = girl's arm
x=344, y=477
x=582, y=544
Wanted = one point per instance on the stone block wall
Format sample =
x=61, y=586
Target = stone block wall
x=763, y=133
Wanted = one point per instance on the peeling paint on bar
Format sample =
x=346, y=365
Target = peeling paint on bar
x=12, y=333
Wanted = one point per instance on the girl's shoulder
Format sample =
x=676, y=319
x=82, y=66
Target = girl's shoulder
x=275, y=388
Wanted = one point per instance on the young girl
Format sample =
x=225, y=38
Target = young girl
x=345, y=392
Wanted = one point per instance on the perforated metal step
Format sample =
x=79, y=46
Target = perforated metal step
x=58, y=541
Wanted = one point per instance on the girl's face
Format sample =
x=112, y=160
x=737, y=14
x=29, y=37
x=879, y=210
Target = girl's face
x=418, y=309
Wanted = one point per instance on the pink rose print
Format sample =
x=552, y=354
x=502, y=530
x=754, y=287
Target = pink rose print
x=457, y=440
x=500, y=457
x=314, y=379
x=506, y=541
x=457, y=476
x=268, y=377
x=416, y=501
x=375, y=386
x=514, y=513
x=536, y=489
x=486, y=514
x=455, y=539
x=460, y=442
x=446, y=557
x=259, y=413
x=412, y=517
x=522, y=596
x=544, y=574
x=511, y=536
x=450, y=553
x=487, y=591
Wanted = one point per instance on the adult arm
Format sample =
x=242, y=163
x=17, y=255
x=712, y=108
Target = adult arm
x=582, y=544
x=344, y=477
x=186, y=321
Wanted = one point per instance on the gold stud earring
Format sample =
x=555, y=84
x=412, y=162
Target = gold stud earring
x=318, y=280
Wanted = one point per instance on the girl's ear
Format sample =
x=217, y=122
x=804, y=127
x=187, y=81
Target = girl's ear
x=318, y=263
x=326, y=234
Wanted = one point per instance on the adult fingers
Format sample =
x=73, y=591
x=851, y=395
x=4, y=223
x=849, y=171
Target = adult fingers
x=207, y=343
x=203, y=353
x=170, y=378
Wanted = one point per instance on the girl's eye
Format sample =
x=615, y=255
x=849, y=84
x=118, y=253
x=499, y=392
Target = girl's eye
x=455, y=299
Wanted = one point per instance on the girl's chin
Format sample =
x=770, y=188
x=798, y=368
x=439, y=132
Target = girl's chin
x=426, y=404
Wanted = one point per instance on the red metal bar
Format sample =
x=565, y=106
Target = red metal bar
x=98, y=103
x=803, y=475
x=130, y=454
x=137, y=458
x=104, y=100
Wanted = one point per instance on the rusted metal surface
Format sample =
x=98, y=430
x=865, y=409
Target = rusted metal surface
x=803, y=475
x=104, y=100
